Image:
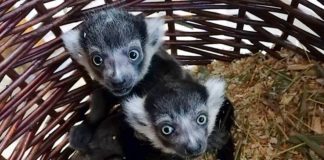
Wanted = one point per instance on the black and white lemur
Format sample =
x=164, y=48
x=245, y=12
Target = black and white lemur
x=124, y=54
x=175, y=120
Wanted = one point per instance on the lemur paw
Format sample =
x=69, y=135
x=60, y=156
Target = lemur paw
x=80, y=136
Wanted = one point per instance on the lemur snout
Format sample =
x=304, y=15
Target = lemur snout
x=118, y=83
x=194, y=150
x=120, y=86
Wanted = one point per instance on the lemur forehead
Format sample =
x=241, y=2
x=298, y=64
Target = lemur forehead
x=112, y=35
x=163, y=118
x=182, y=97
x=179, y=116
x=94, y=49
x=135, y=42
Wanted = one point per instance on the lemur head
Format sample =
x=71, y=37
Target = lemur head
x=115, y=47
x=177, y=117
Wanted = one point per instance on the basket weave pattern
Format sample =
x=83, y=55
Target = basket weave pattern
x=38, y=103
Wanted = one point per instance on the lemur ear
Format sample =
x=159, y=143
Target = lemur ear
x=135, y=113
x=138, y=118
x=155, y=32
x=216, y=90
x=71, y=40
x=216, y=93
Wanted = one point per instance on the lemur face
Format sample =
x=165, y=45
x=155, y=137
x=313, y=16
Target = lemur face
x=177, y=117
x=180, y=118
x=115, y=47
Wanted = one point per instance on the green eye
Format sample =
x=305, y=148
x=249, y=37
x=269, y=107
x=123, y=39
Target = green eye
x=133, y=54
x=167, y=130
x=202, y=119
x=97, y=60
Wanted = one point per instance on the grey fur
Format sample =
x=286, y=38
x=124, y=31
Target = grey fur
x=108, y=33
x=112, y=34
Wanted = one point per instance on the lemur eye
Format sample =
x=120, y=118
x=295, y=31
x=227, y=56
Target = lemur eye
x=133, y=54
x=167, y=130
x=97, y=60
x=201, y=119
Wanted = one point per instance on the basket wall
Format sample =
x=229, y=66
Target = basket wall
x=39, y=98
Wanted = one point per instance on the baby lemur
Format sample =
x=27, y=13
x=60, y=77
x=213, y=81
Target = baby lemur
x=184, y=118
x=123, y=53
x=176, y=120
x=115, y=139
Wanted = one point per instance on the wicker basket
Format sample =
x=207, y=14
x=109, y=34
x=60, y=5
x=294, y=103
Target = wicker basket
x=39, y=99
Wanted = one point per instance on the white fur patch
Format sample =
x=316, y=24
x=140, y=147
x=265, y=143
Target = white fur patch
x=134, y=110
x=155, y=29
x=155, y=33
x=216, y=91
x=137, y=117
x=71, y=40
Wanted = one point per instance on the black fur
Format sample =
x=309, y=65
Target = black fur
x=125, y=144
x=87, y=138
x=128, y=145
x=163, y=68
x=221, y=139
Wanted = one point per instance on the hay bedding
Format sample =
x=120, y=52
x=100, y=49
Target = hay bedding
x=279, y=111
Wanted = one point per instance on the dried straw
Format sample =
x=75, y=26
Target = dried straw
x=278, y=105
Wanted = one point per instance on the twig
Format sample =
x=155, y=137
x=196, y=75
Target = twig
x=313, y=100
x=292, y=123
x=289, y=149
x=280, y=74
x=303, y=106
x=238, y=150
x=293, y=116
x=252, y=78
x=246, y=132
x=312, y=144
x=320, y=70
x=295, y=80
x=305, y=51
x=282, y=131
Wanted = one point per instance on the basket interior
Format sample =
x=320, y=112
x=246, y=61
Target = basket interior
x=43, y=93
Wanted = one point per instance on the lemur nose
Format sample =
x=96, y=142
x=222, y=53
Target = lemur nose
x=194, y=149
x=118, y=83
